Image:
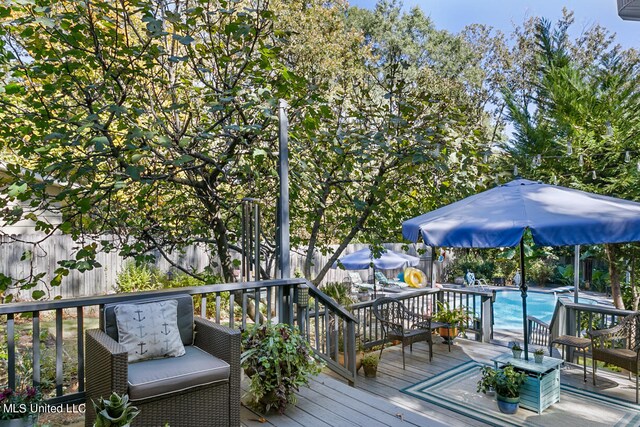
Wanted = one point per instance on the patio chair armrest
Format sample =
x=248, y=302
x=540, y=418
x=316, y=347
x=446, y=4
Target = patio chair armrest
x=603, y=333
x=224, y=343
x=218, y=340
x=106, y=368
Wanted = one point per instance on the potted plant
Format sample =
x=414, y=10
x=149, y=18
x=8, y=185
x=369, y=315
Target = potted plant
x=538, y=355
x=516, y=350
x=370, y=365
x=277, y=360
x=19, y=407
x=116, y=411
x=456, y=318
x=506, y=382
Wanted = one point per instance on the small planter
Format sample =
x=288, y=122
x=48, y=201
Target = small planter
x=370, y=371
x=508, y=405
x=370, y=365
x=517, y=354
x=28, y=421
x=364, y=296
x=538, y=357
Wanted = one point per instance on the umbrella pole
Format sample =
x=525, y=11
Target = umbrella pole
x=433, y=254
x=523, y=291
x=374, y=284
x=576, y=273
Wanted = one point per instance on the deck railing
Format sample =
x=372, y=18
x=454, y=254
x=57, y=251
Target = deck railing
x=272, y=299
x=573, y=319
x=478, y=303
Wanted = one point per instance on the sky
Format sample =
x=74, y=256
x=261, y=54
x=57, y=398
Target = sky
x=453, y=15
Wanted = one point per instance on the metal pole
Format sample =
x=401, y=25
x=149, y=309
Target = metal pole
x=431, y=272
x=523, y=291
x=576, y=273
x=256, y=222
x=283, y=201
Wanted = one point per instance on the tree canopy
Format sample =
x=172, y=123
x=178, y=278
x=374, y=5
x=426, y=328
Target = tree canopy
x=157, y=118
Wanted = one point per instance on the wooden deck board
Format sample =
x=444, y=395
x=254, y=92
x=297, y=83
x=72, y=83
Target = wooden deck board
x=379, y=402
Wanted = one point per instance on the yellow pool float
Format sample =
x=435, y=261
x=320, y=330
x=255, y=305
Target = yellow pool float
x=415, y=278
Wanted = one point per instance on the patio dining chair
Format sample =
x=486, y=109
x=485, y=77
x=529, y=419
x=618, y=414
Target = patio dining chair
x=399, y=323
x=618, y=346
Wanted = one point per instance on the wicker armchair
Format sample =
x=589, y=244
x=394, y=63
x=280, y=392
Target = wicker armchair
x=398, y=323
x=201, y=402
x=618, y=346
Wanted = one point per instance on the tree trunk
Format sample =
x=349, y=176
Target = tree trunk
x=613, y=252
x=222, y=246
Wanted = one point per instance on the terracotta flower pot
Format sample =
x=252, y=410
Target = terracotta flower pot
x=448, y=334
x=359, y=357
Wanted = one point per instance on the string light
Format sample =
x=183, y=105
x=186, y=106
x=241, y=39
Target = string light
x=609, y=129
x=593, y=174
x=555, y=180
x=539, y=159
x=515, y=170
x=581, y=160
x=627, y=157
x=638, y=166
x=486, y=158
x=569, y=148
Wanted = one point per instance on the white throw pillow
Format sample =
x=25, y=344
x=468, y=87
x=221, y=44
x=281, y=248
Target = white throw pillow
x=149, y=331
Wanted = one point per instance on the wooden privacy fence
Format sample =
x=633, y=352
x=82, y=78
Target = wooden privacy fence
x=46, y=255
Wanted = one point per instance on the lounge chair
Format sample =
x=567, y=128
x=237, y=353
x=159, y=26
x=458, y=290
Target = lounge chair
x=384, y=281
x=356, y=281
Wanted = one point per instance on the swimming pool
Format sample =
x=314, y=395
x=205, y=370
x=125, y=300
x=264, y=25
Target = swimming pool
x=507, y=309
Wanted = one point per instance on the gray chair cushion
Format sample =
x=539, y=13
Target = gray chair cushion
x=185, y=316
x=151, y=378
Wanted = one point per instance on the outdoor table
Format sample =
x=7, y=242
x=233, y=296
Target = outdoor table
x=542, y=387
x=577, y=342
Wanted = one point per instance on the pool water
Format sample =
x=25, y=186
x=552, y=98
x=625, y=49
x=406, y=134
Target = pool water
x=507, y=309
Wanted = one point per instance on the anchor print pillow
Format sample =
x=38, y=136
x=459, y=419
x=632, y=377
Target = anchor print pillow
x=149, y=331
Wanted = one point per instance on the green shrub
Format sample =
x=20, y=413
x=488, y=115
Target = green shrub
x=339, y=291
x=136, y=278
x=482, y=269
x=540, y=271
x=600, y=280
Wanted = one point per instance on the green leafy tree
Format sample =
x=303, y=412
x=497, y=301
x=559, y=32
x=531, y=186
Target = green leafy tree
x=578, y=113
x=156, y=117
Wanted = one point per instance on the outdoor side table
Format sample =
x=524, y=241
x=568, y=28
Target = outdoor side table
x=436, y=325
x=577, y=342
x=542, y=387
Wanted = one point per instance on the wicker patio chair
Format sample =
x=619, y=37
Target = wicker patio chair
x=180, y=391
x=398, y=323
x=618, y=346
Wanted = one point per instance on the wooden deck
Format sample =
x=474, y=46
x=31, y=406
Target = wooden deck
x=379, y=402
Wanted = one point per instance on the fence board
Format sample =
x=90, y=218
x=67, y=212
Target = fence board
x=49, y=252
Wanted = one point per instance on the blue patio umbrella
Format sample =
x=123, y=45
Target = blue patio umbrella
x=364, y=258
x=556, y=216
